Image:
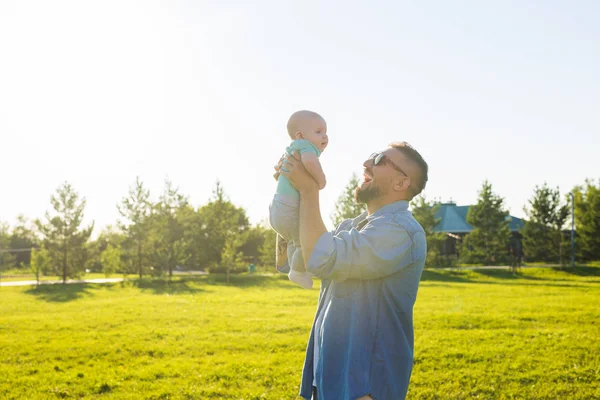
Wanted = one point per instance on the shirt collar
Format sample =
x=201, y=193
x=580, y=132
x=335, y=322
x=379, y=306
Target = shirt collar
x=401, y=205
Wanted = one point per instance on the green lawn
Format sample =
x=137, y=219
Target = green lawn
x=479, y=334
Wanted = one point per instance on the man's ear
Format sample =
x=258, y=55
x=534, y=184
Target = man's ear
x=402, y=184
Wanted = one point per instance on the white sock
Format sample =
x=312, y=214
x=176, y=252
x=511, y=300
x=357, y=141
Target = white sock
x=301, y=278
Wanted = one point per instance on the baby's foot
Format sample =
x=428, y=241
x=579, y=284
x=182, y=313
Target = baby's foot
x=301, y=278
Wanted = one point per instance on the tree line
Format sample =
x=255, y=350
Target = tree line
x=155, y=237
x=152, y=237
x=545, y=236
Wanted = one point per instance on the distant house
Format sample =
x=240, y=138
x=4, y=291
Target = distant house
x=453, y=222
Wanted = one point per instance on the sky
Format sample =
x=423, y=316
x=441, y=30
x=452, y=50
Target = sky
x=97, y=93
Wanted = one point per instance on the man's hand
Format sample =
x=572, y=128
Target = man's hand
x=278, y=167
x=294, y=170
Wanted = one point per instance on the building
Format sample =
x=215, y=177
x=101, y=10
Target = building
x=453, y=222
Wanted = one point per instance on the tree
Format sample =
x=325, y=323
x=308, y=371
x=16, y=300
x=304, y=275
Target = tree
x=221, y=219
x=245, y=248
x=546, y=215
x=345, y=206
x=136, y=208
x=195, y=236
x=251, y=242
x=267, y=250
x=487, y=242
x=232, y=260
x=23, y=237
x=40, y=262
x=111, y=260
x=424, y=212
x=587, y=219
x=109, y=236
x=168, y=241
x=63, y=236
x=7, y=259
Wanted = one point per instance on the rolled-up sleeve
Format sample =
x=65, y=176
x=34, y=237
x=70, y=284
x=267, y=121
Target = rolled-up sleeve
x=381, y=248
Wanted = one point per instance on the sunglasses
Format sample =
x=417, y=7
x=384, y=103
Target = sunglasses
x=380, y=158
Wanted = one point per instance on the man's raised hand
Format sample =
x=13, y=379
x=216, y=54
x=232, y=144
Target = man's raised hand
x=294, y=170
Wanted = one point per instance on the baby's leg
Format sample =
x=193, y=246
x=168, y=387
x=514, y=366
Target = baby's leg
x=298, y=273
x=296, y=259
x=282, y=263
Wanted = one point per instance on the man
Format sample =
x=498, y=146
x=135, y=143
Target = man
x=361, y=343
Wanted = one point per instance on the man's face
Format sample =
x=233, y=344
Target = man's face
x=368, y=190
x=378, y=180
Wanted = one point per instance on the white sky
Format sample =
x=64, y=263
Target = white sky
x=96, y=93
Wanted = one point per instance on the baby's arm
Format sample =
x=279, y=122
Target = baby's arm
x=313, y=166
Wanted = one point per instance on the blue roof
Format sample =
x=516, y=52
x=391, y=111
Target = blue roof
x=514, y=223
x=453, y=219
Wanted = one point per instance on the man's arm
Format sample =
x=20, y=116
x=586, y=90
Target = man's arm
x=311, y=223
x=380, y=249
x=313, y=166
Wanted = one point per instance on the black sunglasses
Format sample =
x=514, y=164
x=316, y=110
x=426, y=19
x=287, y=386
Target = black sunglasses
x=379, y=158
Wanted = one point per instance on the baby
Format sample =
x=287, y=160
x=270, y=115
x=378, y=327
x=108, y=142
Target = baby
x=308, y=131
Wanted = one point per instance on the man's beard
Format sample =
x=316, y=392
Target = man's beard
x=363, y=196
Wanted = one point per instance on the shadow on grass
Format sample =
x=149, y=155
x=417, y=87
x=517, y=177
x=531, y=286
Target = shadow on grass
x=165, y=286
x=506, y=274
x=201, y=283
x=444, y=276
x=59, y=293
x=251, y=280
x=580, y=270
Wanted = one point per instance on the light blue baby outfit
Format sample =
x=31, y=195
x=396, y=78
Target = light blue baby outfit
x=284, y=209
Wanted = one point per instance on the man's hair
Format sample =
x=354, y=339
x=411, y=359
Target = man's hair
x=409, y=152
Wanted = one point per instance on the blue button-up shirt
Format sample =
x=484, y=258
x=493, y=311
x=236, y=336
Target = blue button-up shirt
x=363, y=330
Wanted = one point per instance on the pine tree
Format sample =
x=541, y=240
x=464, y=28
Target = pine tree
x=63, y=236
x=546, y=215
x=346, y=207
x=488, y=240
x=424, y=212
x=135, y=208
x=167, y=238
x=587, y=219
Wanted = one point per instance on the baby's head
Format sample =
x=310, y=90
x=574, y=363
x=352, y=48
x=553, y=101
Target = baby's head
x=310, y=126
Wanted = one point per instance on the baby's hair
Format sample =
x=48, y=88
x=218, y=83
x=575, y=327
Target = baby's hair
x=292, y=125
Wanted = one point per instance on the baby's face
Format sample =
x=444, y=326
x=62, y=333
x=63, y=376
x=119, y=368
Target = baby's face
x=315, y=131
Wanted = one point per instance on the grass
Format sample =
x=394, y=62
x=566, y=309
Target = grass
x=479, y=334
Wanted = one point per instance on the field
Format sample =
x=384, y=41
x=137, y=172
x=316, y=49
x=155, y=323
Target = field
x=479, y=334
